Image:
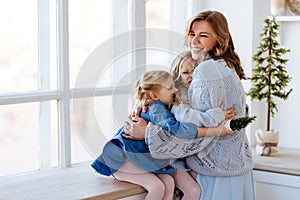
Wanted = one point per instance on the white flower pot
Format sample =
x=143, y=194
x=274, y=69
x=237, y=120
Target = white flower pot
x=267, y=142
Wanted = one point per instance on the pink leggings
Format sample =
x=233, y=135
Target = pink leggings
x=185, y=181
x=159, y=186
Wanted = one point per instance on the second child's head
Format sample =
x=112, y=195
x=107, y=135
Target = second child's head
x=182, y=69
x=156, y=86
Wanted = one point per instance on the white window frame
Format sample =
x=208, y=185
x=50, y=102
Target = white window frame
x=136, y=16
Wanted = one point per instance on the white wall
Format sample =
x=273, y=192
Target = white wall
x=245, y=20
x=287, y=119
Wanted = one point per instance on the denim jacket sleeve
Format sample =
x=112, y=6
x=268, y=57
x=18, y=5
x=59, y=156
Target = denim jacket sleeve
x=161, y=116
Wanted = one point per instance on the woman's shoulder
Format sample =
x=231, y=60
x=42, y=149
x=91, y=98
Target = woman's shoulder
x=211, y=70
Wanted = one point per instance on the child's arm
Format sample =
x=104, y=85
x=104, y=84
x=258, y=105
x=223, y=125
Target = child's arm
x=160, y=115
x=220, y=130
x=210, y=118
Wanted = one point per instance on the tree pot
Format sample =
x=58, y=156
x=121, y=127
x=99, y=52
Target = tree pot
x=267, y=142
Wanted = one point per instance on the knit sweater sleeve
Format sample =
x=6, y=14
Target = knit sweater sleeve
x=163, y=145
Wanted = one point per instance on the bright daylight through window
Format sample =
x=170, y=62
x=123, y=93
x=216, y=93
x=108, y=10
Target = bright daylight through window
x=67, y=73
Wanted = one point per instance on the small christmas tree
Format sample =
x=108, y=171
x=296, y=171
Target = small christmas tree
x=269, y=76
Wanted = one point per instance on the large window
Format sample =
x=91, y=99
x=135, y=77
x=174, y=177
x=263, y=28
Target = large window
x=68, y=68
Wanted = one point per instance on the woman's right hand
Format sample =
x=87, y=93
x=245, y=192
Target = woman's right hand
x=135, y=128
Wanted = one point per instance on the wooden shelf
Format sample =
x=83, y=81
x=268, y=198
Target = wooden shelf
x=287, y=161
x=288, y=18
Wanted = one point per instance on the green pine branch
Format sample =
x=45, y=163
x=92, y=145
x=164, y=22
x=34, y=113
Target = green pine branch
x=240, y=123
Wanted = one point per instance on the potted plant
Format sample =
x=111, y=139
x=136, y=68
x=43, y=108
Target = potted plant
x=269, y=81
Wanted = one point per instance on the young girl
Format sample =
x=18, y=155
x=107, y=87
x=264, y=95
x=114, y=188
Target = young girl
x=182, y=69
x=130, y=160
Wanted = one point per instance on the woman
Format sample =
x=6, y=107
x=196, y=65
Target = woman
x=224, y=164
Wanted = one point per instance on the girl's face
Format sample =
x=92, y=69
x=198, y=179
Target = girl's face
x=186, y=71
x=166, y=94
x=201, y=39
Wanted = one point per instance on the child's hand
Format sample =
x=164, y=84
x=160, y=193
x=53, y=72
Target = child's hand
x=137, y=111
x=229, y=113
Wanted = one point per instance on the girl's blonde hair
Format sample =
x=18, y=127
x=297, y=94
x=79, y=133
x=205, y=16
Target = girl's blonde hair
x=224, y=48
x=151, y=81
x=176, y=66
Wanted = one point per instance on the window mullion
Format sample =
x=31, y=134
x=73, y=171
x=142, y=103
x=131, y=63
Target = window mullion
x=44, y=82
x=64, y=137
x=193, y=7
x=138, y=24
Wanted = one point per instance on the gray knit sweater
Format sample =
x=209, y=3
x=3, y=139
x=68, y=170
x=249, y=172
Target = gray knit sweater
x=213, y=83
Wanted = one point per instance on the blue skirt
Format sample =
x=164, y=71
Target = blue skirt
x=227, y=188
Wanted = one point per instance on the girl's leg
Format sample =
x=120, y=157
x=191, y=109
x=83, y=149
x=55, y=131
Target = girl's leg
x=193, y=174
x=187, y=184
x=169, y=186
x=133, y=174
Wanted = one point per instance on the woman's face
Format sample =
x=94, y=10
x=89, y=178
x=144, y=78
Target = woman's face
x=201, y=39
x=186, y=71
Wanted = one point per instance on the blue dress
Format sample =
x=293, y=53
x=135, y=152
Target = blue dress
x=227, y=187
x=118, y=149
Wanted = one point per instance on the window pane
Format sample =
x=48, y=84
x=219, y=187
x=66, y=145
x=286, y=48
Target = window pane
x=168, y=43
x=158, y=14
x=90, y=25
x=19, y=46
x=20, y=139
x=95, y=121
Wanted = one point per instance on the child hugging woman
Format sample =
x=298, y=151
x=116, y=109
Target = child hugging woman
x=130, y=160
